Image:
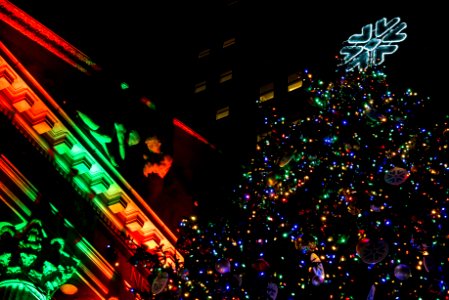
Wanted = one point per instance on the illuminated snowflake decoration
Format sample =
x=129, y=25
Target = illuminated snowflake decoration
x=374, y=42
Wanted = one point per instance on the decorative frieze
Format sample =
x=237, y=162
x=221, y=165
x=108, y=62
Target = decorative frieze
x=6, y=78
x=135, y=222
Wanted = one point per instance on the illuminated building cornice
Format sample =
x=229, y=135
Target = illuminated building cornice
x=38, y=116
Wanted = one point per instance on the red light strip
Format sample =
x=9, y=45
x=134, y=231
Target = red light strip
x=35, y=31
x=190, y=131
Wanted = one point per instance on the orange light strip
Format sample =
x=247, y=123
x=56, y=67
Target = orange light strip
x=98, y=282
x=37, y=32
x=190, y=131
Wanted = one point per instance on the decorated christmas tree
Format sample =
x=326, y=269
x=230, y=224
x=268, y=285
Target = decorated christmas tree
x=347, y=202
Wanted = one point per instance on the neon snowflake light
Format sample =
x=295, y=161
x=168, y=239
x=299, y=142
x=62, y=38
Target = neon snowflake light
x=374, y=42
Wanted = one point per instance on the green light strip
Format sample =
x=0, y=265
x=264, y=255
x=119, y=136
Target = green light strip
x=55, y=211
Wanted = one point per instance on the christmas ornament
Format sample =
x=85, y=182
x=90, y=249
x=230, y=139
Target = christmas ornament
x=396, y=176
x=375, y=116
x=306, y=242
x=317, y=270
x=446, y=132
x=429, y=263
x=285, y=160
x=238, y=279
x=260, y=265
x=272, y=181
x=372, y=251
x=372, y=292
x=402, y=272
x=223, y=266
x=184, y=274
x=159, y=283
x=353, y=210
x=272, y=291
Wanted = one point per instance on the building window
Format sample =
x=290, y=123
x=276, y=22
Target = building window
x=204, y=53
x=294, y=82
x=228, y=42
x=222, y=113
x=225, y=76
x=266, y=92
x=199, y=87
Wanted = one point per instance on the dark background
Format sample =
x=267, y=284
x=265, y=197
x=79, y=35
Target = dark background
x=154, y=44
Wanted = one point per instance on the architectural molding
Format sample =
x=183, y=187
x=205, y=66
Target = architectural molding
x=42, y=121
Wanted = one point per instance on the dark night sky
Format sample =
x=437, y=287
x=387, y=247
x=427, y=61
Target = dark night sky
x=151, y=42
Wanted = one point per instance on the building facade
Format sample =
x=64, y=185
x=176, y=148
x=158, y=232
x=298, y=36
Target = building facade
x=93, y=178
